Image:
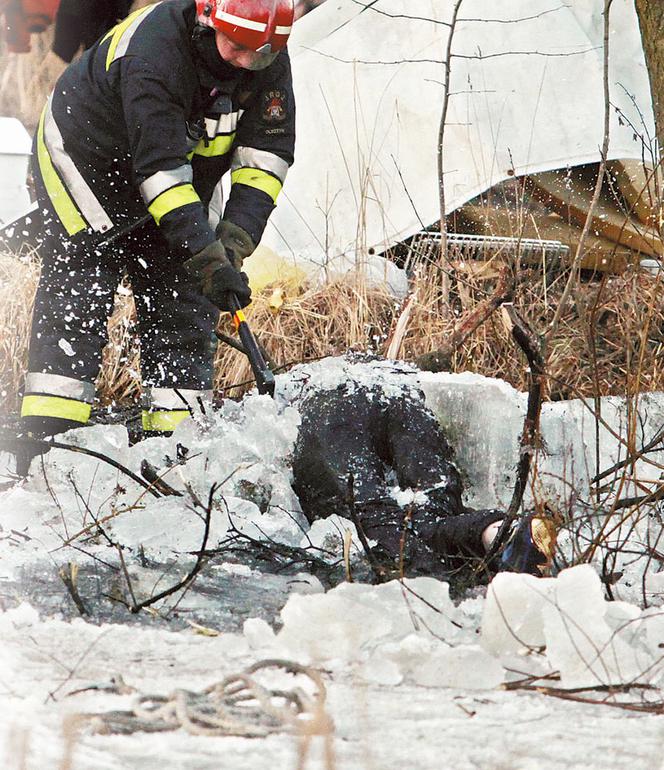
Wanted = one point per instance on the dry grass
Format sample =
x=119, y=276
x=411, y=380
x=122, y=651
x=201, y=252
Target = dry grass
x=18, y=281
x=611, y=340
x=27, y=79
x=320, y=322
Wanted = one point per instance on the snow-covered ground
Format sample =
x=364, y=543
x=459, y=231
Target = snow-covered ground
x=412, y=678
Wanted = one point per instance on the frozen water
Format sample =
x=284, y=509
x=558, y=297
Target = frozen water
x=483, y=418
x=7, y=467
x=462, y=667
x=429, y=662
x=165, y=528
x=258, y=633
x=588, y=640
x=404, y=643
x=580, y=643
x=352, y=619
x=353, y=372
x=512, y=619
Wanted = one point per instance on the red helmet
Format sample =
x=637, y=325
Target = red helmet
x=259, y=25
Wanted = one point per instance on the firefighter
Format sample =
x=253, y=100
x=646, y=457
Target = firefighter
x=140, y=130
x=81, y=22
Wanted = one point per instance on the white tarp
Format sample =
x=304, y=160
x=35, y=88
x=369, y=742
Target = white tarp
x=14, y=158
x=527, y=95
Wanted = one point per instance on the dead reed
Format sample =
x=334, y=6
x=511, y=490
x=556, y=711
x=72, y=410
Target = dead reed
x=610, y=341
x=27, y=79
x=18, y=281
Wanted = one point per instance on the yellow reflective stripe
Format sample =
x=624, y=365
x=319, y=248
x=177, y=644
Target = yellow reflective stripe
x=55, y=406
x=261, y=180
x=163, y=421
x=64, y=206
x=172, y=199
x=220, y=145
x=118, y=30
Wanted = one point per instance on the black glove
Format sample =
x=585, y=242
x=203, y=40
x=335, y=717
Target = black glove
x=217, y=277
x=236, y=241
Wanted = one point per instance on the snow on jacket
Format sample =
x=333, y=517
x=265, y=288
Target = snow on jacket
x=151, y=116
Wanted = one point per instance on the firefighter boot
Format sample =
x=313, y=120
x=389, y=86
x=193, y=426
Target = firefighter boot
x=35, y=430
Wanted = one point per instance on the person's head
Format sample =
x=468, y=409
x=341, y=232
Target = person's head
x=249, y=33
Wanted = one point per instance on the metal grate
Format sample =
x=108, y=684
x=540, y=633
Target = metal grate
x=482, y=246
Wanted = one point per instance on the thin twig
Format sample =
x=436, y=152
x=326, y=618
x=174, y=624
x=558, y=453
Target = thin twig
x=440, y=153
x=10, y=444
x=200, y=560
x=379, y=573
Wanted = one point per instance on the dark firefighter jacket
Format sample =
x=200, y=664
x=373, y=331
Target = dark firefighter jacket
x=151, y=116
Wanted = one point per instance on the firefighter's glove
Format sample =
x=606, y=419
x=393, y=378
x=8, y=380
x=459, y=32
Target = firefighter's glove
x=217, y=277
x=237, y=242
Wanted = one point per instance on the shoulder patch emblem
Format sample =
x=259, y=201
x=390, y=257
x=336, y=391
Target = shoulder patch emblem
x=274, y=106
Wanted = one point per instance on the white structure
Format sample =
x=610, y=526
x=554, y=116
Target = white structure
x=15, y=153
x=526, y=95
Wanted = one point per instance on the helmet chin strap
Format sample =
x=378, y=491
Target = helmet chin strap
x=267, y=48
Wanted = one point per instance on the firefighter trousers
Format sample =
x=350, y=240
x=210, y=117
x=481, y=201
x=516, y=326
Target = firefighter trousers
x=73, y=303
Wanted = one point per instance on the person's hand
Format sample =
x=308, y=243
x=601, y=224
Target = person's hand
x=236, y=241
x=217, y=278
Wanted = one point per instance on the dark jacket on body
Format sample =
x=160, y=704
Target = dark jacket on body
x=358, y=447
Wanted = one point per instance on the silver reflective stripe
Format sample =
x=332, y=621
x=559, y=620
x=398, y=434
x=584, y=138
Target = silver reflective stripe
x=211, y=127
x=76, y=186
x=168, y=399
x=247, y=157
x=123, y=44
x=58, y=385
x=225, y=124
x=163, y=180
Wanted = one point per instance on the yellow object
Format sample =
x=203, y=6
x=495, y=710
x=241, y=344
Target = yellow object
x=55, y=406
x=64, y=206
x=163, y=421
x=277, y=299
x=220, y=145
x=116, y=33
x=265, y=267
x=261, y=180
x=545, y=535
